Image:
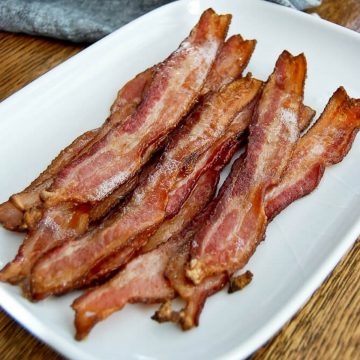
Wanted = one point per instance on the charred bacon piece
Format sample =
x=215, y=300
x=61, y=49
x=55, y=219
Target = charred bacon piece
x=123, y=151
x=239, y=216
x=63, y=267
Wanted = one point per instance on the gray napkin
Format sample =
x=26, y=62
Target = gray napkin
x=84, y=20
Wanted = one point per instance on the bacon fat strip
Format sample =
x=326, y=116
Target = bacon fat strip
x=142, y=279
x=326, y=143
x=41, y=239
x=147, y=207
x=239, y=215
x=333, y=134
x=175, y=87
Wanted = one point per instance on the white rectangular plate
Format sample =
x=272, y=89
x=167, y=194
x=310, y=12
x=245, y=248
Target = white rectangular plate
x=302, y=245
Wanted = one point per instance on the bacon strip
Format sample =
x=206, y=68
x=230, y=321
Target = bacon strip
x=239, y=215
x=113, y=295
x=11, y=217
x=333, y=134
x=169, y=227
x=233, y=48
x=231, y=61
x=193, y=205
x=142, y=279
x=128, y=98
x=193, y=295
x=326, y=143
x=175, y=87
x=69, y=223
x=60, y=270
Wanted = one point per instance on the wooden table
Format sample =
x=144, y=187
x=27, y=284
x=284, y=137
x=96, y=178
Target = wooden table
x=327, y=327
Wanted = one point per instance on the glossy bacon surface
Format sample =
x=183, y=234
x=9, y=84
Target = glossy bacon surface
x=121, y=153
x=239, y=215
x=326, y=143
x=195, y=203
x=142, y=280
x=230, y=139
x=62, y=268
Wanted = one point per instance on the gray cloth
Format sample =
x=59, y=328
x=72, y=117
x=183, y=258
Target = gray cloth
x=84, y=20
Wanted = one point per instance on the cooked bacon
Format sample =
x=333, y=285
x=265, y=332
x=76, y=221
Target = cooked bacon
x=333, y=134
x=193, y=295
x=130, y=285
x=128, y=98
x=326, y=143
x=229, y=140
x=175, y=87
x=58, y=224
x=237, y=283
x=99, y=210
x=239, y=215
x=147, y=208
x=171, y=226
x=305, y=117
x=168, y=228
x=230, y=63
x=11, y=217
x=142, y=279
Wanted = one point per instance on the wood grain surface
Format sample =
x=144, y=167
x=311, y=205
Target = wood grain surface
x=327, y=327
